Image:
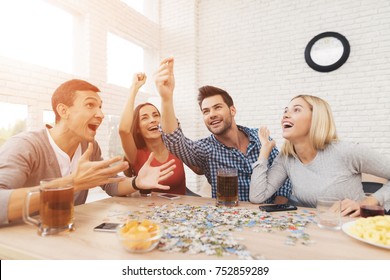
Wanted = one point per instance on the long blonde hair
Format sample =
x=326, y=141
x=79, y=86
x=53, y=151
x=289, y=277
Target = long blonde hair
x=322, y=128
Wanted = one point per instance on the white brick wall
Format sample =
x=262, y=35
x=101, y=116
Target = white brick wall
x=253, y=49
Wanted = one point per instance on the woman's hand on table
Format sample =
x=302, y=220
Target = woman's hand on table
x=350, y=208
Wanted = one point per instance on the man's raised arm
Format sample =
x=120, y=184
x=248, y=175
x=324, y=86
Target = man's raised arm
x=165, y=84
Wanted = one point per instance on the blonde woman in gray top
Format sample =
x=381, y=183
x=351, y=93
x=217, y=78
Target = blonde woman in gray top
x=316, y=162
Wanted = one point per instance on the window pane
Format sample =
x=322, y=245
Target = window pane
x=36, y=32
x=13, y=120
x=137, y=5
x=49, y=117
x=114, y=142
x=123, y=60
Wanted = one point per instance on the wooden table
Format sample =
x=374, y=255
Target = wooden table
x=20, y=241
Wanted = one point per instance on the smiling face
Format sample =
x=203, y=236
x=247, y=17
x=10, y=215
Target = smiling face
x=149, y=119
x=84, y=117
x=296, y=120
x=217, y=115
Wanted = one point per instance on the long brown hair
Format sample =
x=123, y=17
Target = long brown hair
x=135, y=129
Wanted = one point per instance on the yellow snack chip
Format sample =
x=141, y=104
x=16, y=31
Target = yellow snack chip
x=137, y=235
x=374, y=229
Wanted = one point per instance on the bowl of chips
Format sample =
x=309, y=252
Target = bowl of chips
x=139, y=236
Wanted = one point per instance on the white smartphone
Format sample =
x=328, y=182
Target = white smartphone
x=169, y=196
x=107, y=227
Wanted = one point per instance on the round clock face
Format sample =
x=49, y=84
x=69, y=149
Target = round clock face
x=327, y=51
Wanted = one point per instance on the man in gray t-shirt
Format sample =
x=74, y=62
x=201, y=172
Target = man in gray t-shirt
x=29, y=157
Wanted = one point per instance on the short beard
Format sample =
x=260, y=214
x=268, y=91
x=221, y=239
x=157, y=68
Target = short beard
x=226, y=126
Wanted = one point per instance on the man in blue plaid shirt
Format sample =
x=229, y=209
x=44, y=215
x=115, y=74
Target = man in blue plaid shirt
x=229, y=145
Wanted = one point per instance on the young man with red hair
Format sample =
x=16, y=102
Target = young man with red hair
x=68, y=150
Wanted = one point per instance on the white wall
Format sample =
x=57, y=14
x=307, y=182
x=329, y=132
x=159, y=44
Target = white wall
x=255, y=50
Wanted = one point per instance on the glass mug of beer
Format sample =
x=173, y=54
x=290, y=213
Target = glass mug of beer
x=227, y=187
x=56, y=207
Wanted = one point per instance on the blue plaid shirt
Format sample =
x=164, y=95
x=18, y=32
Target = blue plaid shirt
x=209, y=154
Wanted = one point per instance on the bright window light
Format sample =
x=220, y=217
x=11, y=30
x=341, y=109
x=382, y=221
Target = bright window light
x=36, y=32
x=123, y=60
x=14, y=113
x=15, y=121
x=48, y=117
x=137, y=5
x=114, y=142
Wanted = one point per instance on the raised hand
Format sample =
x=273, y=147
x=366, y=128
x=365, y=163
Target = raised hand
x=139, y=79
x=149, y=177
x=90, y=174
x=165, y=79
x=266, y=144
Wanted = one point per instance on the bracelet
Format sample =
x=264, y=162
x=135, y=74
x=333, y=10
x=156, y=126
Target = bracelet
x=134, y=185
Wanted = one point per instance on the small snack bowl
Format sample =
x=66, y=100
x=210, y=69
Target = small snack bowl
x=139, y=236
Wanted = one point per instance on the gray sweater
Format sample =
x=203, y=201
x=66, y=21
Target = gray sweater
x=335, y=171
x=27, y=158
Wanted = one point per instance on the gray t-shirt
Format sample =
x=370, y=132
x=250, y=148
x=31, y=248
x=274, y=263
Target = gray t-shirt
x=335, y=171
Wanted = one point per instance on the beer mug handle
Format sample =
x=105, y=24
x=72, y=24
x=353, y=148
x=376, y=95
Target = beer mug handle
x=26, y=211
